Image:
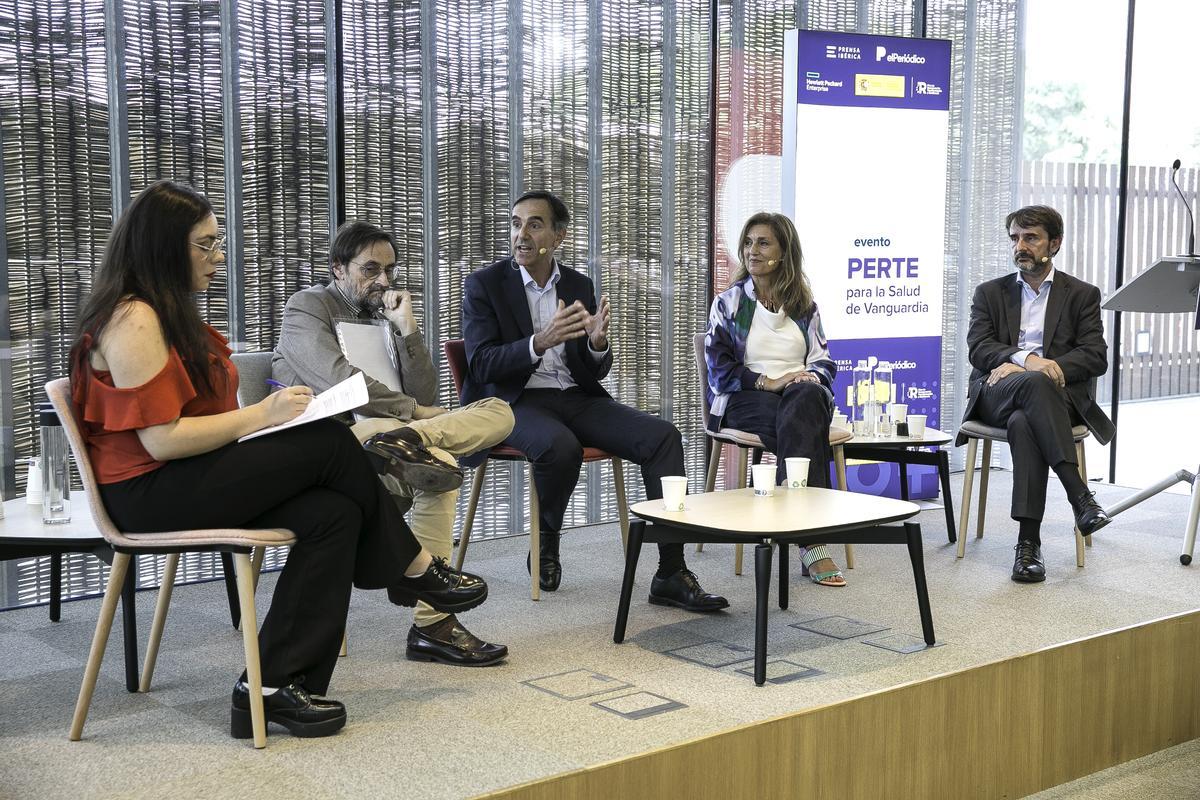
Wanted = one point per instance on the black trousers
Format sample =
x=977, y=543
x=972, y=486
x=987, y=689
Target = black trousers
x=1038, y=417
x=552, y=428
x=792, y=424
x=316, y=481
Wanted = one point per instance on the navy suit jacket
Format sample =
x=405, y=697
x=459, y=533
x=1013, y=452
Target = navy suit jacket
x=496, y=328
x=1074, y=337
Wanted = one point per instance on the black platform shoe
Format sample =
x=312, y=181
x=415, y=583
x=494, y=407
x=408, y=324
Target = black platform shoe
x=290, y=706
x=442, y=587
x=404, y=456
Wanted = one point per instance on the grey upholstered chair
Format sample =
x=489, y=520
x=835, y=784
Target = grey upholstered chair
x=253, y=371
x=977, y=432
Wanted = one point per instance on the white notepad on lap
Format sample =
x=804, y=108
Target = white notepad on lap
x=345, y=396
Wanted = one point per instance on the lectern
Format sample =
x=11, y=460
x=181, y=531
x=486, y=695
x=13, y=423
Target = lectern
x=1171, y=286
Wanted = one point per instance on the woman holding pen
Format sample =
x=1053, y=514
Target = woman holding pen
x=156, y=391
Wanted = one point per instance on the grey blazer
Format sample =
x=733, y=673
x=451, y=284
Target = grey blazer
x=308, y=354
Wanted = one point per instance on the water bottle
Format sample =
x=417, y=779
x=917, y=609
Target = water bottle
x=883, y=395
x=860, y=399
x=56, y=469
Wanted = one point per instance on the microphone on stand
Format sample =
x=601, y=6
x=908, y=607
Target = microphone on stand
x=1187, y=207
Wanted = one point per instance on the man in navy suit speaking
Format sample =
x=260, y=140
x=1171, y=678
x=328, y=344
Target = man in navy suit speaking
x=536, y=338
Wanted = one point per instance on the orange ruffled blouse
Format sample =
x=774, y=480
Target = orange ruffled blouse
x=111, y=416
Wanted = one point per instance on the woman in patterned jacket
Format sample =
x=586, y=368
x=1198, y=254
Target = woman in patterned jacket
x=769, y=370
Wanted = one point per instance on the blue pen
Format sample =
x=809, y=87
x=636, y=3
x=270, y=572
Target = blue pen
x=276, y=384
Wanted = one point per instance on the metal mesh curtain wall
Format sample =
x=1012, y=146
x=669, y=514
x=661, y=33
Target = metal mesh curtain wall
x=450, y=110
x=984, y=114
x=476, y=98
x=57, y=209
x=173, y=86
x=283, y=107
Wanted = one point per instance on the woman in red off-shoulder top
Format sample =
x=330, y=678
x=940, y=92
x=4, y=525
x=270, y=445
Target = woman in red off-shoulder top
x=156, y=391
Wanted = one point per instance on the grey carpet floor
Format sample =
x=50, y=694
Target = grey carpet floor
x=568, y=696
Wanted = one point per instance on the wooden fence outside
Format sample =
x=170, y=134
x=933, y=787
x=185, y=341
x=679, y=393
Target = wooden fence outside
x=1157, y=225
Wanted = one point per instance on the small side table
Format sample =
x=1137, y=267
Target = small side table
x=899, y=450
x=790, y=516
x=23, y=535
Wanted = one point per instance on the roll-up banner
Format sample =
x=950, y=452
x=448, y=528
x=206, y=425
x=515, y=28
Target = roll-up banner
x=865, y=136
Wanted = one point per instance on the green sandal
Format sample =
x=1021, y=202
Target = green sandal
x=811, y=556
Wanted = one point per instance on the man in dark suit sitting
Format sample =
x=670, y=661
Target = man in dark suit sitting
x=535, y=337
x=1037, y=346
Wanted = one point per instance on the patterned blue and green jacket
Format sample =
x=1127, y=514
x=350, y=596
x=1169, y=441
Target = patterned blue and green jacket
x=725, y=347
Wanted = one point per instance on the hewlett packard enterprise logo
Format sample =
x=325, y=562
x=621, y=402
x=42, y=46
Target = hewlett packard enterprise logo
x=881, y=54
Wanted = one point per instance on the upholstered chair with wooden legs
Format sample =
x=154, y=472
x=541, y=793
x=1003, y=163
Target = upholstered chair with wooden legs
x=977, y=432
x=253, y=371
x=456, y=357
x=750, y=447
x=238, y=542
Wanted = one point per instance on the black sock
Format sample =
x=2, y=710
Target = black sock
x=670, y=560
x=1068, y=473
x=1030, y=531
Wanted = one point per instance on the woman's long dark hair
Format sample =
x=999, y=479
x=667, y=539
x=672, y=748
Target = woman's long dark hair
x=148, y=257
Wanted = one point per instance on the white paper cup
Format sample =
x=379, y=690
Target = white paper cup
x=840, y=421
x=899, y=412
x=916, y=425
x=797, y=472
x=674, y=490
x=764, y=479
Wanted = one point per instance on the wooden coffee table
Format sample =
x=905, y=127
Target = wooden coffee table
x=790, y=516
x=899, y=450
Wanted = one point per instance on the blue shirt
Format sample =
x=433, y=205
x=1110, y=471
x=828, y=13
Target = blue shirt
x=552, y=372
x=1032, y=333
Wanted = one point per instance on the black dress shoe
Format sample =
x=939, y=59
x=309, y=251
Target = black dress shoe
x=292, y=707
x=405, y=457
x=1028, y=566
x=1089, y=516
x=442, y=587
x=550, y=568
x=449, y=642
x=683, y=590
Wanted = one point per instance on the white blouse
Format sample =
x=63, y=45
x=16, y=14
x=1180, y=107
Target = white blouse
x=775, y=344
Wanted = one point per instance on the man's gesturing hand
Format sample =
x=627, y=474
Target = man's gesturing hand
x=1003, y=371
x=568, y=323
x=597, y=325
x=1049, y=367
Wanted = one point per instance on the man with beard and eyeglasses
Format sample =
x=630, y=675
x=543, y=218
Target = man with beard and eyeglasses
x=414, y=442
x=1036, y=343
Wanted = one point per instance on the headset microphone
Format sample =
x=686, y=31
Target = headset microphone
x=1045, y=259
x=542, y=252
x=771, y=262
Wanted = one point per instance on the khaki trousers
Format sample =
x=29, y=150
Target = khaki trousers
x=456, y=433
